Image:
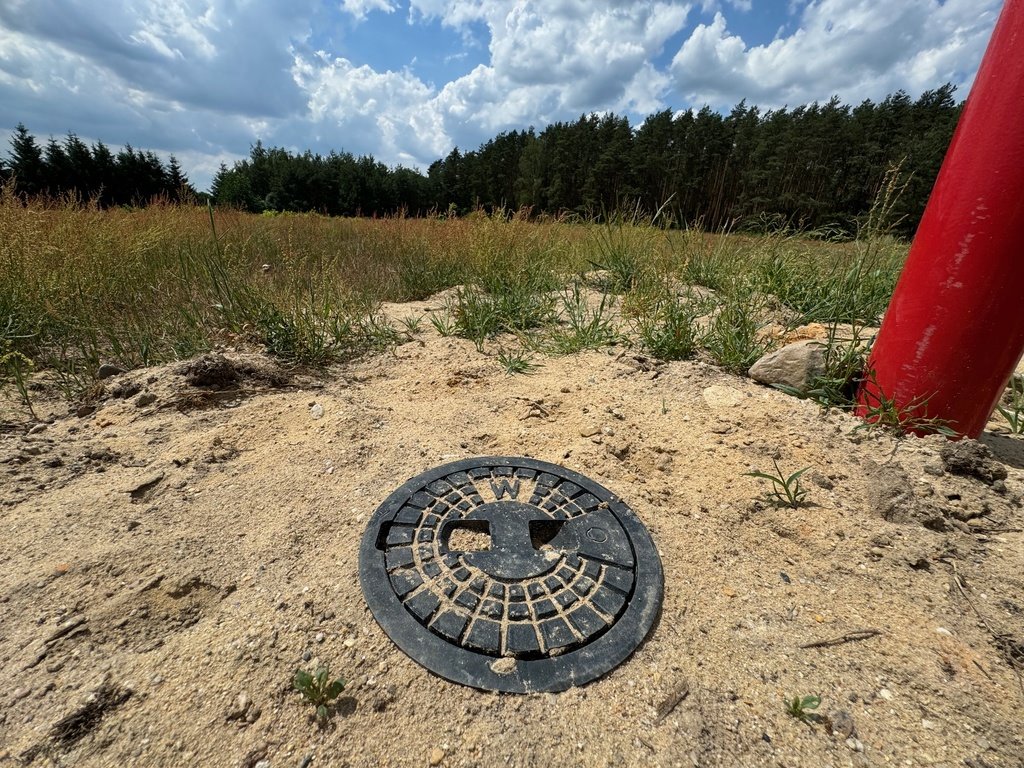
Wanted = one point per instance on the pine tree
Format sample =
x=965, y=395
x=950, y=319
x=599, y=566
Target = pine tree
x=26, y=163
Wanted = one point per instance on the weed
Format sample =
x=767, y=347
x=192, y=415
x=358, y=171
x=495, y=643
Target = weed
x=620, y=255
x=519, y=361
x=844, y=361
x=801, y=708
x=18, y=367
x=786, y=491
x=444, y=322
x=411, y=323
x=733, y=338
x=316, y=689
x=668, y=327
x=586, y=327
x=1013, y=409
x=883, y=412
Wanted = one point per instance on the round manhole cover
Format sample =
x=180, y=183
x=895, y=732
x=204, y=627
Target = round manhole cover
x=510, y=574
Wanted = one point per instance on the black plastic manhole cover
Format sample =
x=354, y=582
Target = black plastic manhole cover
x=510, y=574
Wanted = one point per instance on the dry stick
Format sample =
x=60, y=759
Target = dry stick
x=849, y=637
x=997, y=636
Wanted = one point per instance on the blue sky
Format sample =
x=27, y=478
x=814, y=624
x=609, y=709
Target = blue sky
x=407, y=80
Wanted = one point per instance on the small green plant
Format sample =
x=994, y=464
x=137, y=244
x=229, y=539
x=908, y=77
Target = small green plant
x=801, y=708
x=786, y=491
x=444, y=321
x=733, y=338
x=844, y=361
x=1012, y=407
x=585, y=327
x=518, y=361
x=883, y=412
x=668, y=327
x=411, y=324
x=18, y=367
x=316, y=689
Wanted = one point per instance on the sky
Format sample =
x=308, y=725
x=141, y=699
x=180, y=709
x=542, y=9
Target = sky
x=408, y=80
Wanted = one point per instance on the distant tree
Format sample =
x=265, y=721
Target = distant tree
x=26, y=162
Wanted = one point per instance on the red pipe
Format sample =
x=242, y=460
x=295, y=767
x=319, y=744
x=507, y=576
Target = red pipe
x=954, y=330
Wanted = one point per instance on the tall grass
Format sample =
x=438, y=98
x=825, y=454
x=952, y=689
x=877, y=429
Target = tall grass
x=80, y=286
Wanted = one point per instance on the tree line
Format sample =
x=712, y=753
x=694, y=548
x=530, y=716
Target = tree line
x=92, y=173
x=818, y=165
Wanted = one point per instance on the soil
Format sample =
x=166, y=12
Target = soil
x=175, y=551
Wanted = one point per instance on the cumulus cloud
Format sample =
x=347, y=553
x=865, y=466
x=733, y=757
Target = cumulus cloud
x=359, y=8
x=854, y=48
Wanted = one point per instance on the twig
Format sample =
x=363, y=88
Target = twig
x=672, y=701
x=849, y=637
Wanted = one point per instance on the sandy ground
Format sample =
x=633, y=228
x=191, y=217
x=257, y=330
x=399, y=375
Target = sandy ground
x=166, y=567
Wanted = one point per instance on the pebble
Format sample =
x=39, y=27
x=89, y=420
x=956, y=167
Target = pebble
x=436, y=756
x=317, y=411
x=855, y=744
x=843, y=726
x=37, y=428
x=146, y=398
x=320, y=637
x=307, y=655
x=107, y=370
x=943, y=631
x=20, y=693
x=885, y=693
x=262, y=764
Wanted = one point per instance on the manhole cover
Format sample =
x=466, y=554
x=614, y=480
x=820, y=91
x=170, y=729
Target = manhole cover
x=510, y=574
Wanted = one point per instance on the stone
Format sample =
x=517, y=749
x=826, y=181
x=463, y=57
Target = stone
x=842, y=725
x=316, y=411
x=37, y=428
x=436, y=756
x=795, y=365
x=107, y=370
x=146, y=398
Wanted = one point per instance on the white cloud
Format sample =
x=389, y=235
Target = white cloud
x=359, y=8
x=854, y=48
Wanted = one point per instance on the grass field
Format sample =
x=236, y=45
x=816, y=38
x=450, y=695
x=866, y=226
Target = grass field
x=81, y=286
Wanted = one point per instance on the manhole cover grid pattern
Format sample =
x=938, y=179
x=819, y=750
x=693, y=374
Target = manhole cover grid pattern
x=571, y=603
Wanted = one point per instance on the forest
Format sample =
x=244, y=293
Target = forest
x=816, y=166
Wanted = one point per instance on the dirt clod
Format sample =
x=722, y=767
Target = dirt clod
x=973, y=459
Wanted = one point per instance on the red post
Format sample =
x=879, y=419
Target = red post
x=954, y=330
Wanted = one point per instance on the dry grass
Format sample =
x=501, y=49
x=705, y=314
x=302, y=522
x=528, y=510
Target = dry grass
x=80, y=286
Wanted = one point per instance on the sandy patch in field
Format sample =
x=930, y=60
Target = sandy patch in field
x=165, y=569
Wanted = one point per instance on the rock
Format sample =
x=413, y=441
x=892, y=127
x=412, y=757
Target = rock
x=142, y=489
x=146, y=398
x=855, y=744
x=107, y=370
x=794, y=365
x=841, y=724
x=436, y=756
x=822, y=481
x=238, y=708
x=85, y=410
x=972, y=459
x=316, y=411
x=37, y=428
